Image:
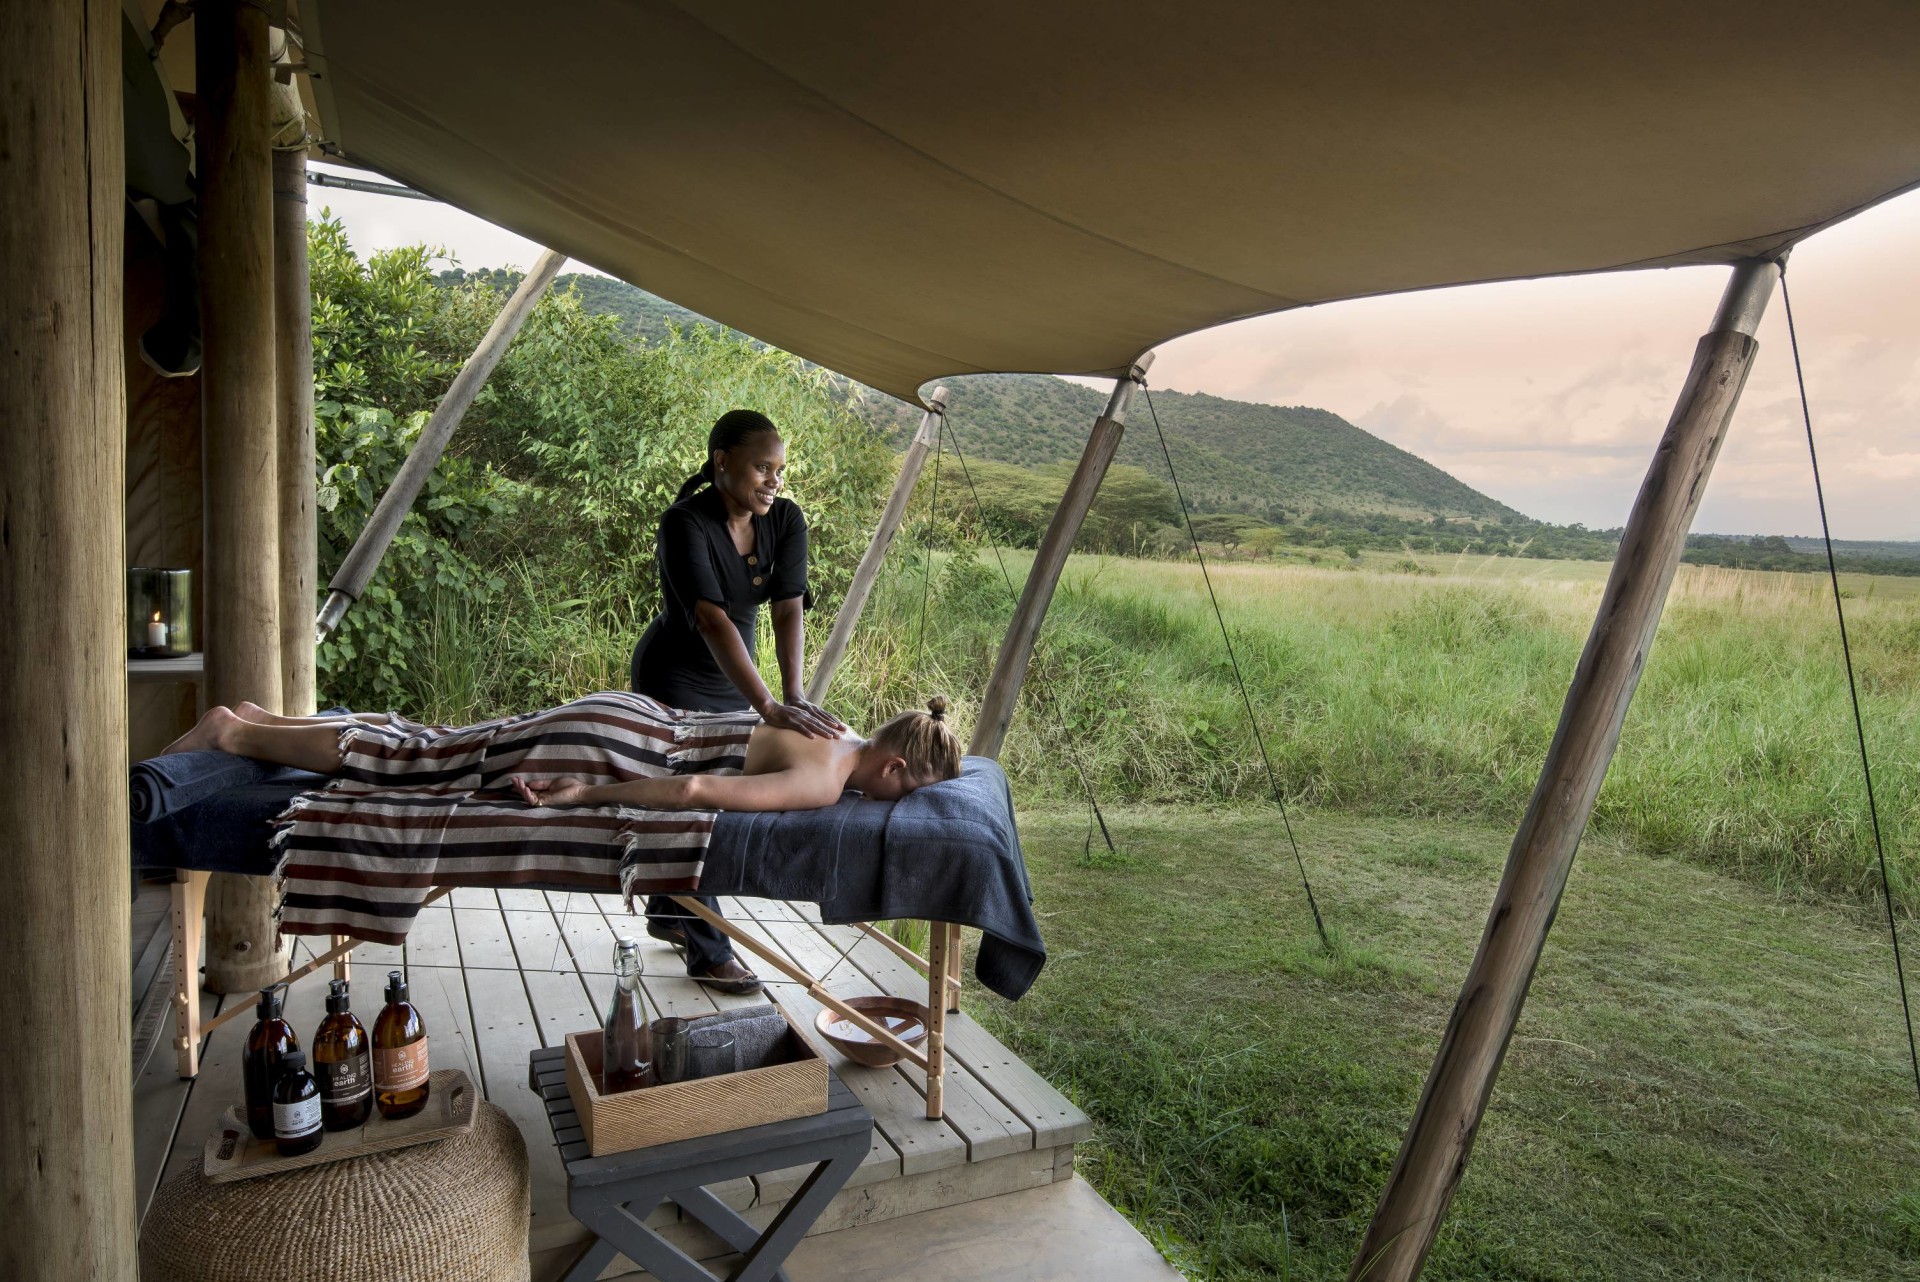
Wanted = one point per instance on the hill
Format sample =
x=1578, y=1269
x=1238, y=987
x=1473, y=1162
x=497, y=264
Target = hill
x=1269, y=461
x=1276, y=462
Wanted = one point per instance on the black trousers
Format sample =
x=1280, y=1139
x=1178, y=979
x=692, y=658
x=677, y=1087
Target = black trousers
x=707, y=948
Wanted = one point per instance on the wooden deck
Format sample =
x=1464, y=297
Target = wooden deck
x=497, y=974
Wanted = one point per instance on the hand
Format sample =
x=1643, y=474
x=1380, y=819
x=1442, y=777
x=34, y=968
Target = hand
x=564, y=791
x=809, y=719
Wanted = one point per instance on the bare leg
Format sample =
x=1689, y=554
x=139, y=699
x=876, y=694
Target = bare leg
x=310, y=747
x=249, y=711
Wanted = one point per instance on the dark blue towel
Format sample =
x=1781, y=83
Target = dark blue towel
x=166, y=785
x=947, y=852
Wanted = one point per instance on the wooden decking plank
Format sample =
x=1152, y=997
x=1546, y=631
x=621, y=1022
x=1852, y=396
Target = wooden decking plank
x=473, y=897
x=535, y=936
x=380, y=958
x=560, y=1004
x=589, y=940
x=430, y=940
x=483, y=939
x=159, y=1100
x=1054, y=1118
x=217, y=1086
x=505, y=1033
x=439, y=993
x=515, y=897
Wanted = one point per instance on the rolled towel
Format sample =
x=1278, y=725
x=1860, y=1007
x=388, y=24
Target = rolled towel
x=161, y=786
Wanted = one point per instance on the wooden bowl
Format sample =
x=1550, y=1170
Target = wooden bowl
x=905, y=1019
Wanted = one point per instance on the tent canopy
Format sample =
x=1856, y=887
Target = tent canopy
x=902, y=192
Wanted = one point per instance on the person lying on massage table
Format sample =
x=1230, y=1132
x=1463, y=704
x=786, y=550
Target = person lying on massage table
x=602, y=750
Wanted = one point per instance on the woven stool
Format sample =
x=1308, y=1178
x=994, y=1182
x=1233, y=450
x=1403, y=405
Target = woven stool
x=448, y=1211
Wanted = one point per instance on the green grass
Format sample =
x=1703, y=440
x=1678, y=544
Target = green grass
x=1708, y=1082
x=1391, y=693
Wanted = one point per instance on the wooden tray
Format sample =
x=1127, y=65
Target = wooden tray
x=233, y=1152
x=796, y=1087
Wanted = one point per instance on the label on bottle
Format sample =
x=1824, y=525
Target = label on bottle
x=346, y=1081
x=401, y=1068
x=293, y=1121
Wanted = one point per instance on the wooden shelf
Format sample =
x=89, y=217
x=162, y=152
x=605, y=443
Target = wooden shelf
x=187, y=668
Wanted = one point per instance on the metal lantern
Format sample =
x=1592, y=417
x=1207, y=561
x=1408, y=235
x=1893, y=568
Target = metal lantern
x=159, y=613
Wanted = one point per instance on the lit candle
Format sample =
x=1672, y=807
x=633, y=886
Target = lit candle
x=156, y=634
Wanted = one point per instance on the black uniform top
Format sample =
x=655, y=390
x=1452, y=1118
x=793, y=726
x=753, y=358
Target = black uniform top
x=698, y=562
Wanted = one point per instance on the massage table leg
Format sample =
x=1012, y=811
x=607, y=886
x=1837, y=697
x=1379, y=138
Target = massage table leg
x=189, y=906
x=343, y=964
x=956, y=955
x=939, y=962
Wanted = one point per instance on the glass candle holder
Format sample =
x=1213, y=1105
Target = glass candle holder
x=159, y=613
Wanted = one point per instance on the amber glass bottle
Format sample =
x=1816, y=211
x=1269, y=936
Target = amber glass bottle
x=271, y=1038
x=342, y=1064
x=296, y=1108
x=399, y=1054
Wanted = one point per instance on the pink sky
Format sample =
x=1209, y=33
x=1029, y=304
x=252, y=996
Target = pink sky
x=1548, y=395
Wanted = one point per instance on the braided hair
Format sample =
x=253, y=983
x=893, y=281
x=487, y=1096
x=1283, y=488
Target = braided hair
x=734, y=428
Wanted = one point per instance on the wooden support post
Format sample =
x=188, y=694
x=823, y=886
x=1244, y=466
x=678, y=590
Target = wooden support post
x=1434, y=1153
x=66, y=1102
x=242, y=524
x=293, y=400
x=876, y=554
x=364, y=557
x=1010, y=670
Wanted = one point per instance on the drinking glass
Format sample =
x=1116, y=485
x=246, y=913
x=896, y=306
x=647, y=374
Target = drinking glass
x=670, y=1048
x=712, y=1052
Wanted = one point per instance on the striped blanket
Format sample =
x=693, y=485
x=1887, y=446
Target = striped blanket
x=415, y=807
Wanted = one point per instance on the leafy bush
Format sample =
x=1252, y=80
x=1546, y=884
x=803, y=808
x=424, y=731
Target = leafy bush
x=524, y=574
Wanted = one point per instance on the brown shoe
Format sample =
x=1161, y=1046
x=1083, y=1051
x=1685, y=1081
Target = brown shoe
x=668, y=933
x=729, y=977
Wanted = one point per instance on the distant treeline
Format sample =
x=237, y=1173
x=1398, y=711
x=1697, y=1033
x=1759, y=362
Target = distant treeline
x=1137, y=514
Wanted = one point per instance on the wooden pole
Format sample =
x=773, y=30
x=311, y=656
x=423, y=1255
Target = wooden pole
x=66, y=1107
x=242, y=583
x=364, y=558
x=876, y=554
x=293, y=399
x=1010, y=670
x=1434, y=1153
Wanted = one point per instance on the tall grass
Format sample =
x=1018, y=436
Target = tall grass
x=1378, y=691
x=1437, y=695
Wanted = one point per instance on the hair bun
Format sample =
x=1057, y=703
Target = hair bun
x=937, y=707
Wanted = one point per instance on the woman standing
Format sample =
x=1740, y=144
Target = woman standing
x=727, y=545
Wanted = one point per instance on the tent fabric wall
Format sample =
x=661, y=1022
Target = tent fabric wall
x=901, y=192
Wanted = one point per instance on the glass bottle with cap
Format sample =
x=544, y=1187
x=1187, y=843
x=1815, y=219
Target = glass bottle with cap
x=342, y=1065
x=270, y=1039
x=399, y=1054
x=296, y=1108
x=626, y=1047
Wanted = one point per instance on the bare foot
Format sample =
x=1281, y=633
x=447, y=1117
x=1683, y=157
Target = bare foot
x=208, y=736
x=248, y=710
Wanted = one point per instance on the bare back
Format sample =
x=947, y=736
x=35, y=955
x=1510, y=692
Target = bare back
x=772, y=751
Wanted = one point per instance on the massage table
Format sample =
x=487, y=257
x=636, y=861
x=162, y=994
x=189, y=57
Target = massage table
x=948, y=853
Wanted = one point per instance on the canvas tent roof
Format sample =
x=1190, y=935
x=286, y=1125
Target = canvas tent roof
x=901, y=192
